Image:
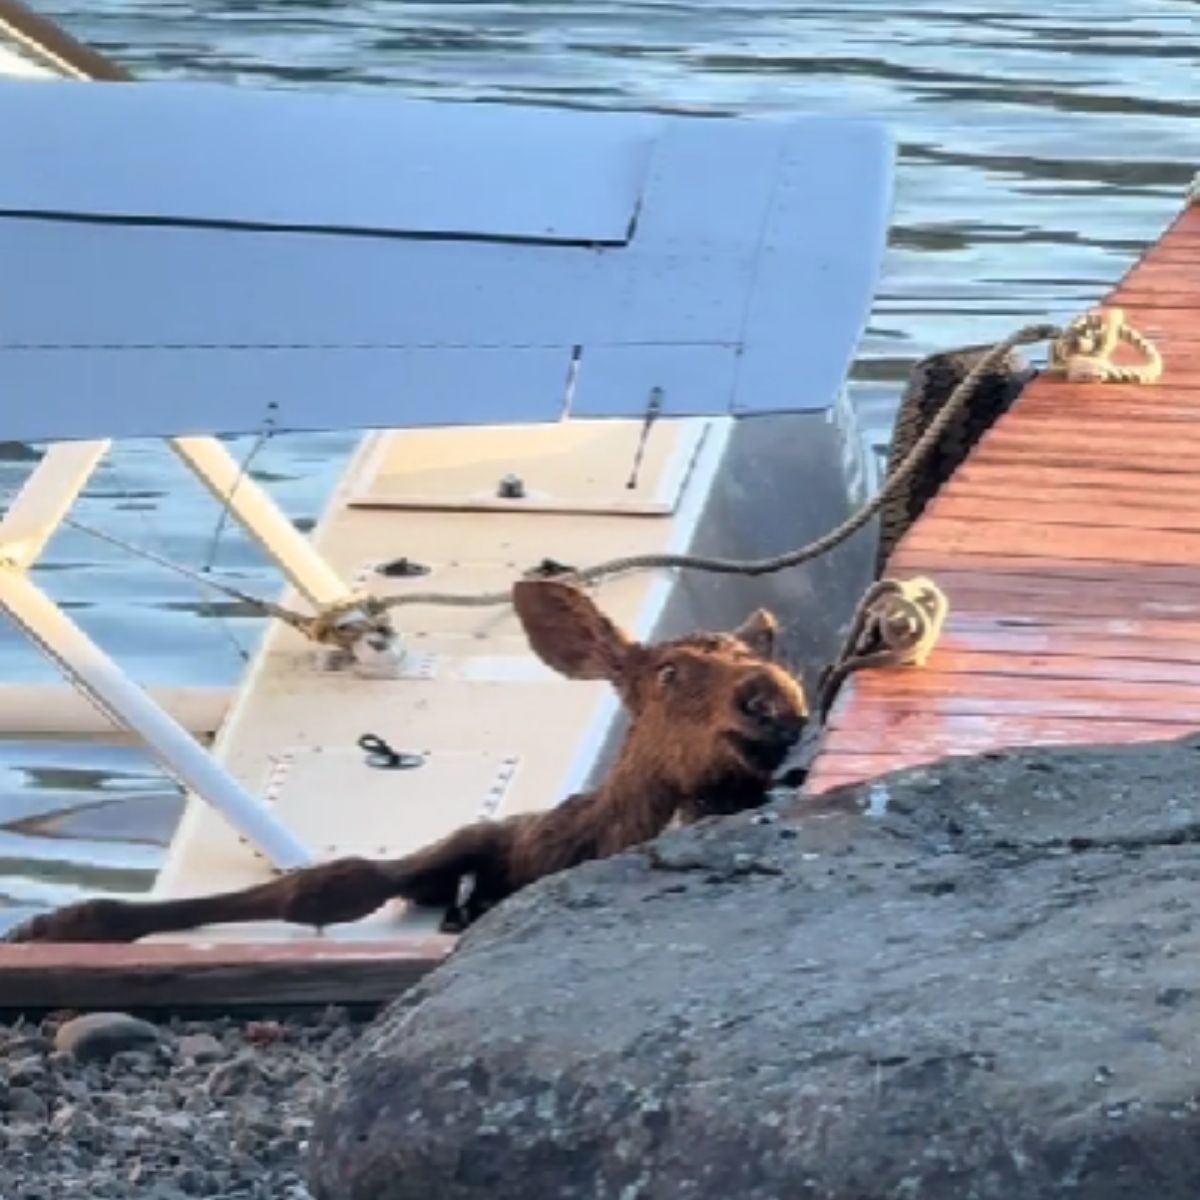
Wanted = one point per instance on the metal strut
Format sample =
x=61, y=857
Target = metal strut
x=41, y=506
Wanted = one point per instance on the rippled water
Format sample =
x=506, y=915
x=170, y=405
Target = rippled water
x=1041, y=147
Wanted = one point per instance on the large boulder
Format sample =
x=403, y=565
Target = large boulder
x=990, y=991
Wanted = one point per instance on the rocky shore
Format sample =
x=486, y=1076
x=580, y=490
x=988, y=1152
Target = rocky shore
x=991, y=991
x=109, y=1107
x=976, y=981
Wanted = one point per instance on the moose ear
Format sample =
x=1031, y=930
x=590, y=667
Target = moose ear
x=758, y=632
x=568, y=632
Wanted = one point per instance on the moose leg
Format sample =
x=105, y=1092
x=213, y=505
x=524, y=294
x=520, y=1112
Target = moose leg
x=332, y=893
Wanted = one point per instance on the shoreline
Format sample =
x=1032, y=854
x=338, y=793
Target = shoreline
x=217, y=1109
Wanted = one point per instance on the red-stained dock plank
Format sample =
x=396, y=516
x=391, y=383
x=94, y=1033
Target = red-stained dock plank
x=1068, y=546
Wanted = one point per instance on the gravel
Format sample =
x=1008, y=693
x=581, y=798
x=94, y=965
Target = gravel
x=218, y=1109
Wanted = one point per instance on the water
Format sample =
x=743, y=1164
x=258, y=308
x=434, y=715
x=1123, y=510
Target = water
x=1041, y=147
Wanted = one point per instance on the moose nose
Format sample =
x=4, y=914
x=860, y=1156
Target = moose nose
x=781, y=726
x=789, y=727
x=777, y=714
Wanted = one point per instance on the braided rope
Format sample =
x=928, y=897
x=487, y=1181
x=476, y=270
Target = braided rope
x=897, y=624
x=1028, y=335
x=1082, y=352
x=1085, y=350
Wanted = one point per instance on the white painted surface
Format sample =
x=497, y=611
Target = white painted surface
x=15, y=65
x=743, y=289
x=348, y=161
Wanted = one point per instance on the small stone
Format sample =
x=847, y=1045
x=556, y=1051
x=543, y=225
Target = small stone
x=25, y=1102
x=178, y=1123
x=195, y=1182
x=98, y=1036
x=25, y=1043
x=240, y=1074
x=124, y=1134
x=73, y=1089
x=165, y=1191
x=263, y=1033
x=63, y=1118
x=134, y=1062
x=200, y=1048
x=27, y=1070
x=1172, y=997
x=333, y=1016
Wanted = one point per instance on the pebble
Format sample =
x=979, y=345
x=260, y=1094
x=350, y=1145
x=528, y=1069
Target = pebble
x=26, y=1070
x=101, y=1035
x=240, y=1075
x=191, y=1110
x=200, y=1048
x=25, y=1103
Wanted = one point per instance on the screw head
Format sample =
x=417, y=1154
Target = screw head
x=511, y=487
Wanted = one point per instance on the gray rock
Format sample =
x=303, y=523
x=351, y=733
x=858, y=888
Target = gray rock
x=100, y=1036
x=136, y=1062
x=201, y=1048
x=178, y=1123
x=243, y=1074
x=140, y=1124
x=989, y=992
x=25, y=1104
x=166, y=1191
x=27, y=1043
x=30, y=1069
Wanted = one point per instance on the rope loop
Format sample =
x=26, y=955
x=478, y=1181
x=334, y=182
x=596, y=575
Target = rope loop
x=897, y=624
x=1086, y=350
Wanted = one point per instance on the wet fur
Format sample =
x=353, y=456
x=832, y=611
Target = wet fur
x=711, y=720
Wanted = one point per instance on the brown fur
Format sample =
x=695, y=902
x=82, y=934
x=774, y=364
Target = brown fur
x=711, y=720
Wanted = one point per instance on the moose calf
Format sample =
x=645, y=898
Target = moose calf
x=712, y=718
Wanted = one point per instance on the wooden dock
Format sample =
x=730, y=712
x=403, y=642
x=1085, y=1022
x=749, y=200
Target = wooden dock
x=1068, y=546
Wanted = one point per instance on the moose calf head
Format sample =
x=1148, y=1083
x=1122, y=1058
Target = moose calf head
x=710, y=713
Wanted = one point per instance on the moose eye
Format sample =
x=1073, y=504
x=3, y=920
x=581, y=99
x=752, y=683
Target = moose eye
x=667, y=674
